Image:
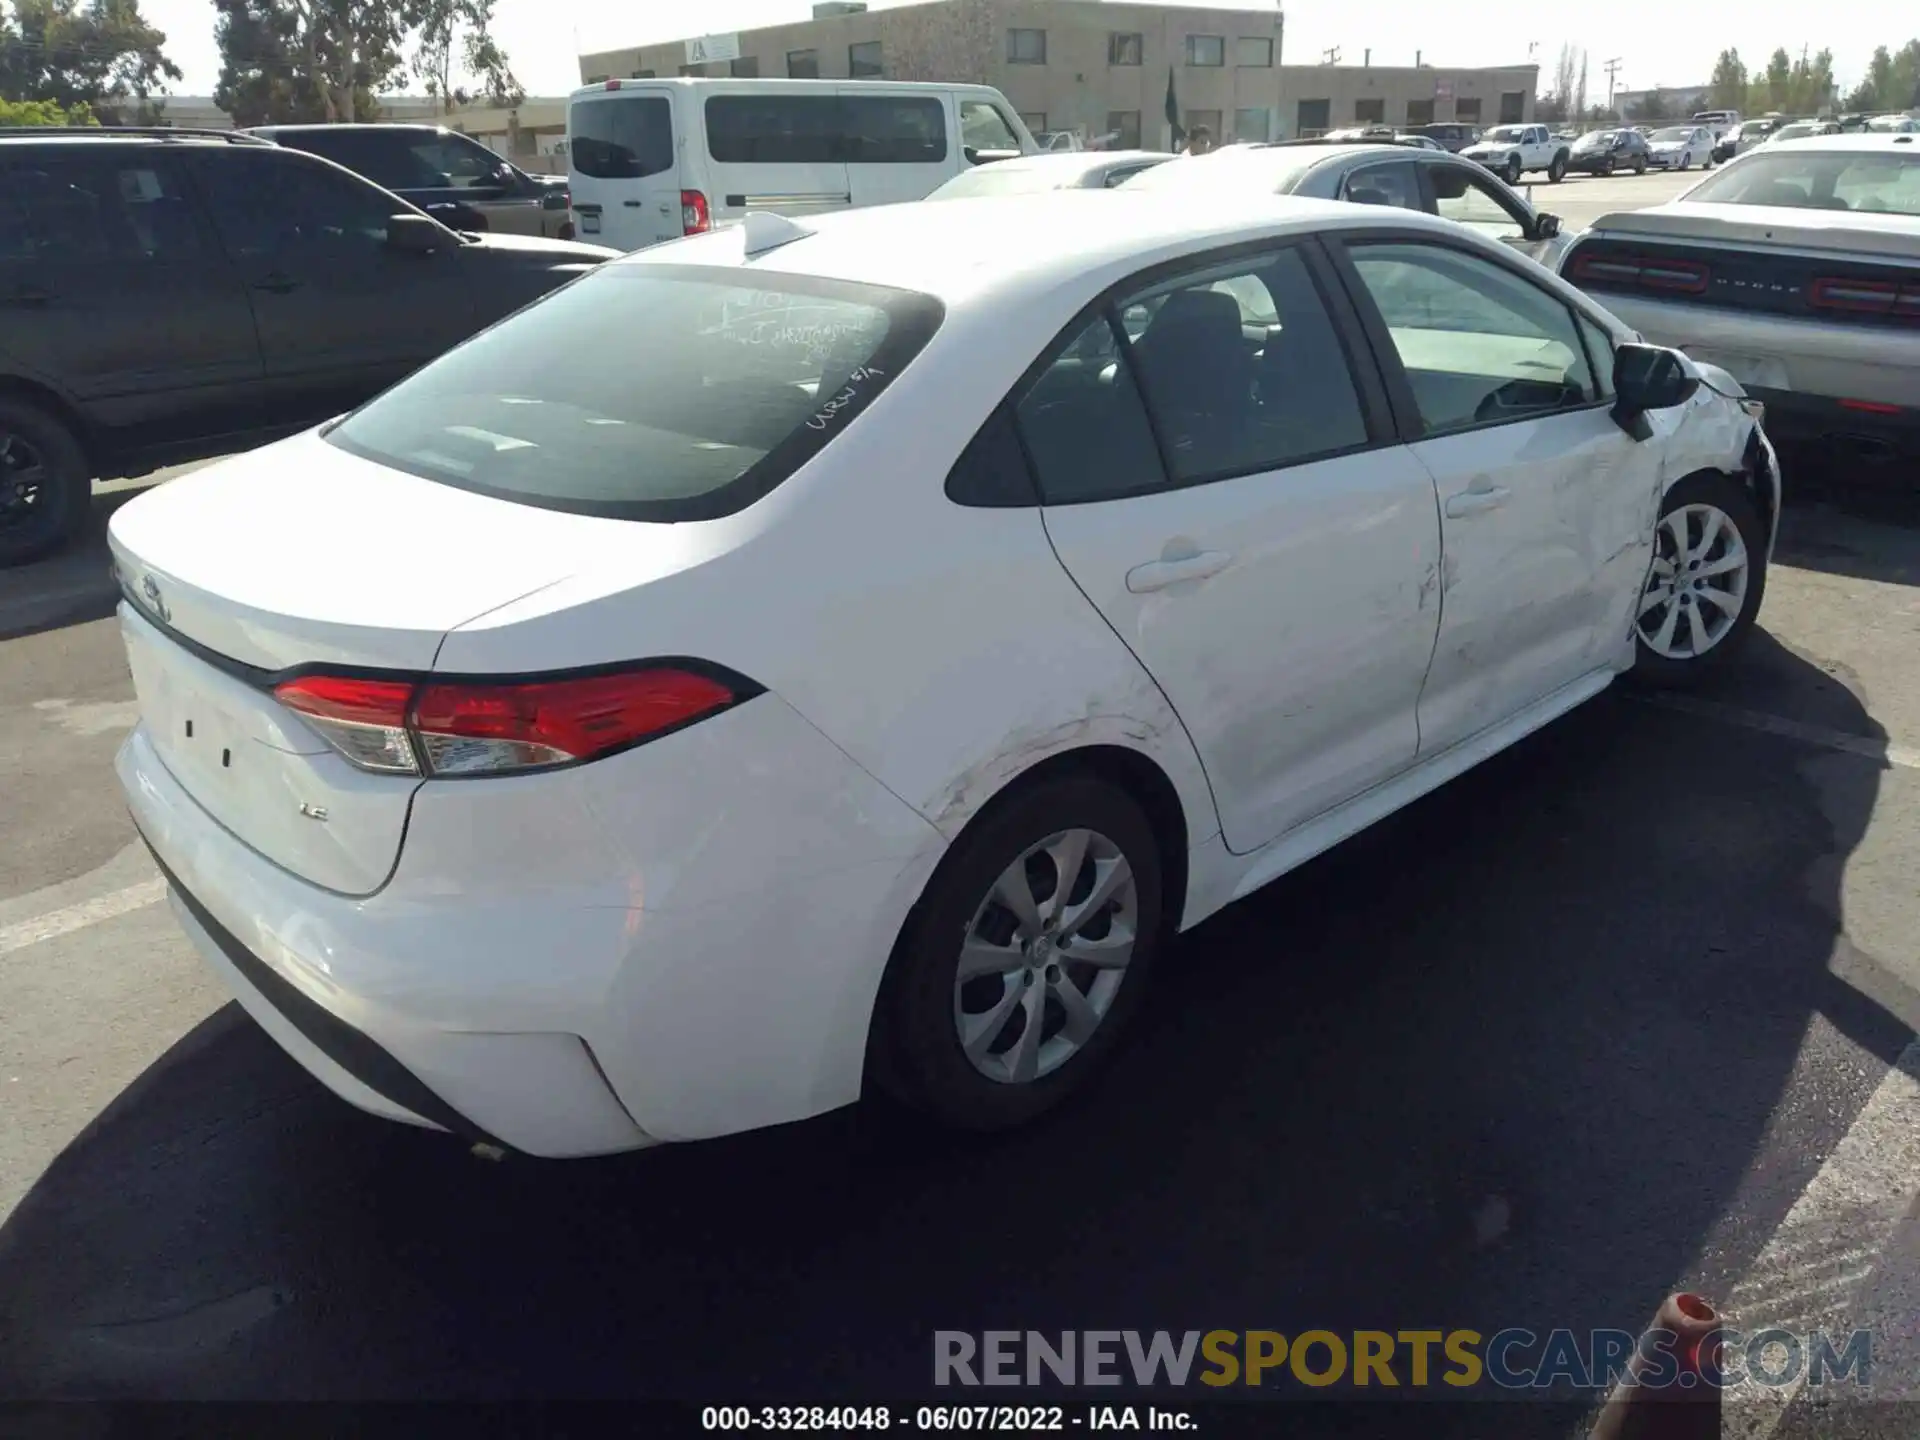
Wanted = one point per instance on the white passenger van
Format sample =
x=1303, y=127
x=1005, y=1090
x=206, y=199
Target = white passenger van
x=652, y=160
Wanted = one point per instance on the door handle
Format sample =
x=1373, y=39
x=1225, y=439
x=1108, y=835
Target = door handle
x=278, y=284
x=1476, y=502
x=1159, y=574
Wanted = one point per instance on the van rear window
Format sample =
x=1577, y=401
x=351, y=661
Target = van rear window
x=826, y=129
x=649, y=392
x=621, y=137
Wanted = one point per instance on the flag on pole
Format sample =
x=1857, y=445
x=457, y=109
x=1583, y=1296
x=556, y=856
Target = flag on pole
x=1173, y=113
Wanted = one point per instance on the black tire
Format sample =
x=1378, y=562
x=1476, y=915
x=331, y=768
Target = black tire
x=1727, y=495
x=915, y=1055
x=1640, y=165
x=1557, y=170
x=1512, y=172
x=46, y=485
x=1606, y=168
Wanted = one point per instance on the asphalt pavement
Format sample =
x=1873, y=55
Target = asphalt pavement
x=1630, y=1008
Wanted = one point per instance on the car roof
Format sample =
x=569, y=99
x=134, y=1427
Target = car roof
x=123, y=135
x=979, y=249
x=379, y=126
x=1866, y=141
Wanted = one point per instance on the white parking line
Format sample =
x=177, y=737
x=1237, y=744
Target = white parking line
x=1862, y=745
x=77, y=917
x=1855, y=1205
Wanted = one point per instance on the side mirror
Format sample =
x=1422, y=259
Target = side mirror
x=1546, y=225
x=977, y=156
x=414, y=234
x=1647, y=377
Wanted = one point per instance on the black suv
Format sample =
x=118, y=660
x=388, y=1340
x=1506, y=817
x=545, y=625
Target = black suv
x=1601, y=152
x=166, y=295
x=451, y=176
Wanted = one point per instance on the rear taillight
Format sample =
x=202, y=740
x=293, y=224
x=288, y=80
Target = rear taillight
x=365, y=720
x=464, y=727
x=1866, y=297
x=695, y=217
x=1643, y=271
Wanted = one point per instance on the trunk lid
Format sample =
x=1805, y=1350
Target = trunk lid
x=298, y=555
x=1850, y=231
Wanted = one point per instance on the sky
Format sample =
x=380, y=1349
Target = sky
x=1657, y=41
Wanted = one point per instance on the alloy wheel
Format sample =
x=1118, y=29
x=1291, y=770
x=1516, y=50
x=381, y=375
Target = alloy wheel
x=23, y=478
x=1044, y=956
x=1697, y=585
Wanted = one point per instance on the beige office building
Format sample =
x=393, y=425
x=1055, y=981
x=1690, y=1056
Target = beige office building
x=1098, y=70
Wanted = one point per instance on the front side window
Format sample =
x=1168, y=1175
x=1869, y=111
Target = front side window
x=267, y=204
x=78, y=207
x=621, y=137
x=1207, y=50
x=1479, y=344
x=456, y=162
x=1026, y=47
x=1124, y=48
x=1876, y=182
x=1469, y=199
x=983, y=127
x=750, y=379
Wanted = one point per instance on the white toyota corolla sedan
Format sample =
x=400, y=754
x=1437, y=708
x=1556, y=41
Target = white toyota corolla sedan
x=813, y=655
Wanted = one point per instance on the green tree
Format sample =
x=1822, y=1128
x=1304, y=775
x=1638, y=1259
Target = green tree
x=1903, y=78
x=311, y=60
x=1876, y=82
x=1779, y=80
x=104, y=56
x=1729, y=83
x=453, y=38
x=44, y=112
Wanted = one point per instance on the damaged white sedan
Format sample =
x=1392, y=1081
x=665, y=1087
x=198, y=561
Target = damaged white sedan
x=806, y=657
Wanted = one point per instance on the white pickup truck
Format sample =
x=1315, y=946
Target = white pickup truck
x=1513, y=150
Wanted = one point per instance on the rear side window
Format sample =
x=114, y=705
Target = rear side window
x=649, y=392
x=96, y=207
x=774, y=129
x=621, y=137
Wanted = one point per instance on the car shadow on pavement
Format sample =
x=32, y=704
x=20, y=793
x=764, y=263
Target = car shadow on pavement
x=69, y=588
x=1508, y=1058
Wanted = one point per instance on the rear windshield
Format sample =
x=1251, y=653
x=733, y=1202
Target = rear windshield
x=648, y=392
x=621, y=137
x=1818, y=179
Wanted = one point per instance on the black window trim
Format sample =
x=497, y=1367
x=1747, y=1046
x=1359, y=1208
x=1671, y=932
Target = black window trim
x=1371, y=392
x=1479, y=179
x=1411, y=427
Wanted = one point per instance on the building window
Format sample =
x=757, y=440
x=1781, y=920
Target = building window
x=863, y=60
x=1026, y=47
x=1253, y=52
x=1315, y=116
x=642, y=75
x=803, y=64
x=1034, y=120
x=1251, y=124
x=1206, y=50
x=1124, y=127
x=598, y=79
x=1370, y=112
x=695, y=70
x=746, y=67
x=1419, y=112
x=1467, y=109
x=1513, y=106
x=1208, y=119
x=1125, y=48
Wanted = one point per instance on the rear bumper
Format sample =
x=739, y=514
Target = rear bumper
x=681, y=941
x=1870, y=433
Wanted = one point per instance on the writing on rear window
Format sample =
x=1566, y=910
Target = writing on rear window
x=825, y=415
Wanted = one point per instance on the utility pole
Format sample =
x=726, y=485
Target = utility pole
x=1330, y=57
x=1612, y=67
